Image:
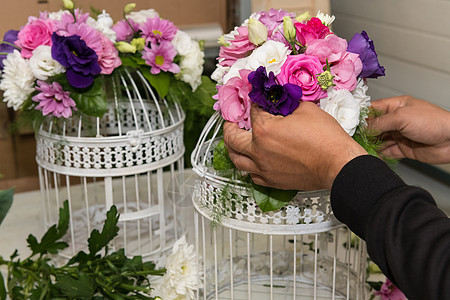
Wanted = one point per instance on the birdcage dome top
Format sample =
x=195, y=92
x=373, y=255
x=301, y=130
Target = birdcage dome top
x=139, y=130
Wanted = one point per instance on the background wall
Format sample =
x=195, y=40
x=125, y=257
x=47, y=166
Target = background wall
x=412, y=39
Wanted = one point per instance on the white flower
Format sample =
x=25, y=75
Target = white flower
x=42, y=63
x=182, y=42
x=325, y=18
x=181, y=277
x=241, y=63
x=104, y=24
x=257, y=31
x=359, y=93
x=141, y=16
x=191, y=66
x=219, y=73
x=271, y=55
x=57, y=15
x=343, y=107
x=17, y=80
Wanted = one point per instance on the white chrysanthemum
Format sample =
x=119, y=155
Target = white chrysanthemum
x=241, y=63
x=343, y=107
x=359, y=93
x=141, y=16
x=181, y=277
x=219, y=73
x=191, y=66
x=17, y=80
x=42, y=63
x=182, y=42
x=325, y=18
x=57, y=15
x=271, y=55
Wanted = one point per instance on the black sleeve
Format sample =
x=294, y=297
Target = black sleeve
x=406, y=234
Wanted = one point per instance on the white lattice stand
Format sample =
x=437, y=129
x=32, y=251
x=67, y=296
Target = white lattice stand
x=126, y=158
x=298, y=252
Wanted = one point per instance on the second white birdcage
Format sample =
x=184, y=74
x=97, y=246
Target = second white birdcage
x=298, y=252
x=126, y=158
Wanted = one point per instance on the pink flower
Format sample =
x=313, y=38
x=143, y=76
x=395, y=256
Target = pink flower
x=124, y=31
x=239, y=47
x=36, y=33
x=331, y=48
x=273, y=18
x=233, y=100
x=312, y=30
x=53, y=100
x=302, y=70
x=346, y=71
x=157, y=30
x=109, y=59
x=389, y=291
x=160, y=58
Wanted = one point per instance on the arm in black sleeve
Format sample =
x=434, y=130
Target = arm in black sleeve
x=406, y=234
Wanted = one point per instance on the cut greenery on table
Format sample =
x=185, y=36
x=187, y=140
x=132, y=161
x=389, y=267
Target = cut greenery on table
x=96, y=274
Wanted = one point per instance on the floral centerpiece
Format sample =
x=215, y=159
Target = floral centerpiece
x=276, y=59
x=57, y=63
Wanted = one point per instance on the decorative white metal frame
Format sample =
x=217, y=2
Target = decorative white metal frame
x=298, y=252
x=126, y=158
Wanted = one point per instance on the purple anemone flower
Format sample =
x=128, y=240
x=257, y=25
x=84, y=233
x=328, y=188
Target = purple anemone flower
x=361, y=44
x=81, y=62
x=9, y=37
x=274, y=98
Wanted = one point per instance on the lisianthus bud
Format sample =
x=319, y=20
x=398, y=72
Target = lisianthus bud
x=129, y=8
x=257, y=32
x=139, y=43
x=68, y=4
x=125, y=47
x=288, y=29
x=303, y=17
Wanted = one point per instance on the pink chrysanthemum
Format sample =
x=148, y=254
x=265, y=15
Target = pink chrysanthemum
x=158, y=30
x=160, y=58
x=123, y=30
x=53, y=100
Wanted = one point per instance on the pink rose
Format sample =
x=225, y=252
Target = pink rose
x=109, y=59
x=36, y=33
x=346, y=71
x=239, y=47
x=302, y=70
x=331, y=48
x=233, y=100
x=312, y=30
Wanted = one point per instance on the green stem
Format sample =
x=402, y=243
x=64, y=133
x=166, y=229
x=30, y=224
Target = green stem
x=11, y=44
x=129, y=24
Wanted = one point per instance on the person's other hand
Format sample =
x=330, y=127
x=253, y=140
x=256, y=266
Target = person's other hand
x=413, y=128
x=303, y=151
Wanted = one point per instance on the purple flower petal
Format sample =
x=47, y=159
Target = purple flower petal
x=361, y=44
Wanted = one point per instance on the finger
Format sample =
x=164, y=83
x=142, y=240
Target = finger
x=387, y=105
x=258, y=115
x=236, y=139
x=393, y=151
x=387, y=122
x=243, y=162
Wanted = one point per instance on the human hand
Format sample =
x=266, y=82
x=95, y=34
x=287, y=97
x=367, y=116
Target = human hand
x=302, y=151
x=413, y=128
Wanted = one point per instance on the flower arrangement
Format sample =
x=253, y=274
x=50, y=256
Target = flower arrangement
x=57, y=63
x=276, y=59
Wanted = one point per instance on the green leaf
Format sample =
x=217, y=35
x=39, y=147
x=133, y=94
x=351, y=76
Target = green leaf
x=159, y=81
x=221, y=158
x=84, y=286
x=6, y=199
x=91, y=101
x=110, y=229
x=49, y=242
x=128, y=61
x=2, y=288
x=269, y=199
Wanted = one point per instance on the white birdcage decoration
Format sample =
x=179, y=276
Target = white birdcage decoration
x=126, y=158
x=298, y=252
